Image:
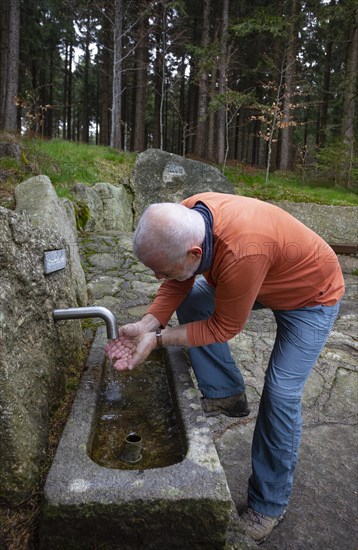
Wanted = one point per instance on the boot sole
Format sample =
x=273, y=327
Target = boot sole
x=228, y=413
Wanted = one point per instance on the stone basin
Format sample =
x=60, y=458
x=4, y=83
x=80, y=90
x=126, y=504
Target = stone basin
x=185, y=505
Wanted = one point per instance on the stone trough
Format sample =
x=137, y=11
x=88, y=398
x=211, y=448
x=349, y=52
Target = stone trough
x=184, y=505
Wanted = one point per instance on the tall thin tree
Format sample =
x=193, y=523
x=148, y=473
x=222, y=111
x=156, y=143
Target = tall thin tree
x=203, y=85
x=9, y=62
x=85, y=90
x=141, y=60
x=350, y=92
x=116, y=130
x=222, y=83
x=290, y=75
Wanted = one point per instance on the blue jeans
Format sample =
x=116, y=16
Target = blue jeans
x=301, y=335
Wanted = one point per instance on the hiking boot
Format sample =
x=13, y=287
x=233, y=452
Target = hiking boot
x=230, y=406
x=257, y=526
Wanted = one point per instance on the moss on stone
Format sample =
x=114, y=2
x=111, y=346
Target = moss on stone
x=24, y=158
x=82, y=213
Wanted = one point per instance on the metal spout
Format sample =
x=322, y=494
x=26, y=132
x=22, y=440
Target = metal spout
x=91, y=311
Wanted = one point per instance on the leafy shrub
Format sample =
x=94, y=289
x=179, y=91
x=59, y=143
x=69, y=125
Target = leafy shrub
x=335, y=164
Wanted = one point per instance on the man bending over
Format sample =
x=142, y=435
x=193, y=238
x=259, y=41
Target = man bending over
x=221, y=256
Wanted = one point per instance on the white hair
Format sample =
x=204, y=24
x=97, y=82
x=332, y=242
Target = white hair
x=169, y=230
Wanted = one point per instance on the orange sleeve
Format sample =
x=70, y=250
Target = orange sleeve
x=169, y=297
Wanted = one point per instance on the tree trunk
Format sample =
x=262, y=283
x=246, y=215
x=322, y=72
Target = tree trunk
x=157, y=106
x=350, y=97
x=200, y=140
x=158, y=74
x=191, y=108
x=290, y=74
x=141, y=81
x=70, y=131
x=240, y=135
x=65, y=85
x=9, y=63
x=104, y=134
x=181, y=122
x=325, y=95
x=350, y=84
x=33, y=121
x=104, y=77
x=49, y=113
x=116, y=133
x=85, y=109
x=222, y=85
x=212, y=119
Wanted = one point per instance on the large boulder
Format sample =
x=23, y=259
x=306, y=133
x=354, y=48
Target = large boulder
x=34, y=351
x=37, y=197
x=159, y=176
x=109, y=206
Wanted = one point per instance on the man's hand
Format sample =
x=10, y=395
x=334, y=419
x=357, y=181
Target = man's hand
x=131, y=348
x=121, y=352
x=145, y=345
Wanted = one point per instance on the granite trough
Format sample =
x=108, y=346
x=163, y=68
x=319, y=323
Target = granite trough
x=184, y=505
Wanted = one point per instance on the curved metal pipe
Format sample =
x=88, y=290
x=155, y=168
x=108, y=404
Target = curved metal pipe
x=90, y=311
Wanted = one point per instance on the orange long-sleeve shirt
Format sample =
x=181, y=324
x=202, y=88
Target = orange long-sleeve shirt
x=260, y=253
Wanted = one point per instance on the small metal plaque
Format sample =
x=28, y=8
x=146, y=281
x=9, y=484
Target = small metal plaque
x=54, y=260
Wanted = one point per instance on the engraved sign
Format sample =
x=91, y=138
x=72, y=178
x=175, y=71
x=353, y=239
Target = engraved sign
x=172, y=170
x=54, y=260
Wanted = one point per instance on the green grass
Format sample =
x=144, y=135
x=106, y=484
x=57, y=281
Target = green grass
x=67, y=163
x=288, y=186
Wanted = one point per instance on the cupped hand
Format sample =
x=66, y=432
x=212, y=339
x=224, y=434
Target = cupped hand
x=128, y=352
x=121, y=352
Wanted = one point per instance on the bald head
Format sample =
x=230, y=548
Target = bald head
x=167, y=230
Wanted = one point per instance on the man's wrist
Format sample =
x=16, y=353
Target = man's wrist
x=149, y=323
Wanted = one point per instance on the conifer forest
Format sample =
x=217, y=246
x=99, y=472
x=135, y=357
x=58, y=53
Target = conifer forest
x=251, y=81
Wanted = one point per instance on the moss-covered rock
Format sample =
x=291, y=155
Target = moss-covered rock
x=34, y=351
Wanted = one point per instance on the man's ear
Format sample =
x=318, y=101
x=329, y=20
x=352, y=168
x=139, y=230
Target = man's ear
x=196, y=252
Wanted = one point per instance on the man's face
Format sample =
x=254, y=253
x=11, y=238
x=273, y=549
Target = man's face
x=174, y=271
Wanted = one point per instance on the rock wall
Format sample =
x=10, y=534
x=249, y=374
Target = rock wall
x=34, y=351
x=37, y=197
x=109, y=206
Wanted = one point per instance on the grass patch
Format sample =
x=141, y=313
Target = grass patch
x=250, y=182
x=66, y=163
